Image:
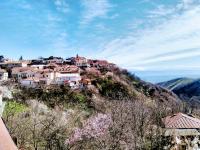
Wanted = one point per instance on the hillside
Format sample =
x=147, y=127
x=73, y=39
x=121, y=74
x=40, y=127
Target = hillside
x=63, y=118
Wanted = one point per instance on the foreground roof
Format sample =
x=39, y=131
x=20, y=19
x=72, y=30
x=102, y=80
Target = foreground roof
x=181, y=121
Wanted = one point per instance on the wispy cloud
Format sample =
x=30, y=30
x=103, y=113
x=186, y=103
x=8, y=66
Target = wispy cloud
x=165, y=41
x=171, y=56
x=62, y=6
x=161, y=11
x=139, y=35
x=24, y=4
x=95, y=9
x=187, y=3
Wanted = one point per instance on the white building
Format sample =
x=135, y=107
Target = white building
x=29, y=82
x=3, y=75
x=63, y=77
x=23, y=72
x=39, y=66
x=67, y=75
x=32, y=77
x=46, y=76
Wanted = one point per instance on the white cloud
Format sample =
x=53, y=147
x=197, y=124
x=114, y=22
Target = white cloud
x=161, y=43
x=187, y=3
x=62, y=6
x=161, y=11
x=135, y=24
x=170, y=57
x=95, y=9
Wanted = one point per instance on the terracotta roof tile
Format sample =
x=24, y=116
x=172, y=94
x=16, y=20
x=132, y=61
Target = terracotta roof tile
x=67, y=69
x=23, y=69
x=181, y=121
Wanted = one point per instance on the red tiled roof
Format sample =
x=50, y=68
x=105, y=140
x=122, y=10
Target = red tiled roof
x=22, y=69
x=67, y=69
x=52, y=65
x=93, y=70
x=47, y=70
x=181, y=121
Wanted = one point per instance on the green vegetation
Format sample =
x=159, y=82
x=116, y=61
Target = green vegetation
x=79, y=97
x=55, y=96
x=121, y=97
x=111, y=89
x=13, y=107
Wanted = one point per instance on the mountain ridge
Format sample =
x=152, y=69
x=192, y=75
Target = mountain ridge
x=186, y=89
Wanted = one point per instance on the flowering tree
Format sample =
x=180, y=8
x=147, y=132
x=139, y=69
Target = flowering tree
x=95, y=127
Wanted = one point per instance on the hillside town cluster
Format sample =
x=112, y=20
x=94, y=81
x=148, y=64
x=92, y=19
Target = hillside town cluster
x=50, y=71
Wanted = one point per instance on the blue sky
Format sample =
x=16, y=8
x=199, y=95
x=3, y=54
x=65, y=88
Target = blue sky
x=145, y=36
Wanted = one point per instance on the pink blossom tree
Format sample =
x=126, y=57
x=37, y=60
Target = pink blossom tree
x=95, y=127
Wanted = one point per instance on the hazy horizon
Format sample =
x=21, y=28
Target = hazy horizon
x=156, y=77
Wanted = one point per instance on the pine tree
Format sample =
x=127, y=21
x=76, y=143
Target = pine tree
x=21, y=58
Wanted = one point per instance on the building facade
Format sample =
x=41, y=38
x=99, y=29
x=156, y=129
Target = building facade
x=182, y=132
x=3, y=75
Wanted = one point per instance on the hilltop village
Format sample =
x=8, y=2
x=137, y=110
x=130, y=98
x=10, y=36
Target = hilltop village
x=45, y=72
x=78, y=103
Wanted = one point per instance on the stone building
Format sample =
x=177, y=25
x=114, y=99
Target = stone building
x=182, y=131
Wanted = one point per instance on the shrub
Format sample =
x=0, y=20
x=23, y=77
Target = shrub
x=111, y=89
x=79, y=97
x=14, y=108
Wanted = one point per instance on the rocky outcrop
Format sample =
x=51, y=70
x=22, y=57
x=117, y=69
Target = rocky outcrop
x=6, y=91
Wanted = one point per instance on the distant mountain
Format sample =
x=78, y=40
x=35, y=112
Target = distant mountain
x=185, y=88
x=176, y=83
